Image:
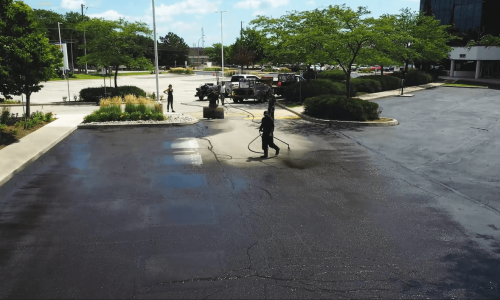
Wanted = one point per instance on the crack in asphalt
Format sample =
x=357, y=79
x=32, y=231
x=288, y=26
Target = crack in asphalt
x=427, y=177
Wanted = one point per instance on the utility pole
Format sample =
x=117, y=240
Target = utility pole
x=64, y=70
x=241, y=31
x=202, y=38
x=85, y=42
x=222, y=39
x=156, y=55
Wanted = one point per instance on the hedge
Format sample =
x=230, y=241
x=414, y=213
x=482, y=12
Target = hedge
x=366, y=85
x=213, y=69
x=414, y=77
x=335, y=75
x=388, y=82
x=341, y=108
x=315, y=88
x=93, y=94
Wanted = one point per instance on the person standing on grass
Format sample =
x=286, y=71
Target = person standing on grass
x=170, y=97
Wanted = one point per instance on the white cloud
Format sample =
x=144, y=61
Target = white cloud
x=192, y=7
x=178, y=28
x=247, y=4
x=260, y=6
x=72, y=4
x=108, y=15
x=276, y=3
x=312, y=2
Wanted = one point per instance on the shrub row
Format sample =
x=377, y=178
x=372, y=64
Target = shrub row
x=387, y=82
x=181, y=71
x=414, y=77
x=366, y=85
x=213, y=69
x=315, y=88
x=336, y=75
x=133, y=112
x=341, y=108
x=93, y=94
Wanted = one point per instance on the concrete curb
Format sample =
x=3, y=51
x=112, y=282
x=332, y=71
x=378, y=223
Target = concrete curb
x=52, y=103
x=96, y=126
x=466, y=87
x=394, y=93
x=35, y=157
x=394, y=122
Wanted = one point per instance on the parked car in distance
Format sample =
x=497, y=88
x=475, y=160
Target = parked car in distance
x=389, y=69
x=378, y=68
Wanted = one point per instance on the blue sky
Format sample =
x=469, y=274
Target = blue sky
x=187, y=17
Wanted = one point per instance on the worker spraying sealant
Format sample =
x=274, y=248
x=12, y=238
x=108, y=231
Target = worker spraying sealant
x=267, y=130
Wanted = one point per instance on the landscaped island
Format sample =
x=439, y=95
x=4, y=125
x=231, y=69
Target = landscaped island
x=129, y=108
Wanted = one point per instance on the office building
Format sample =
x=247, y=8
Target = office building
x=473, y=17
x=467, y=15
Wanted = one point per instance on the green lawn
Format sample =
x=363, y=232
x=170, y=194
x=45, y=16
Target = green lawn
x=97, y=76
x=464, y=85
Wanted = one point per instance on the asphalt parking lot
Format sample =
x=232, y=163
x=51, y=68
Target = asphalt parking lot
x=409, y=211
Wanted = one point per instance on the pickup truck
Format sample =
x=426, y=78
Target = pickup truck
x=249, y=88
x=286, y=79
x=235, y=80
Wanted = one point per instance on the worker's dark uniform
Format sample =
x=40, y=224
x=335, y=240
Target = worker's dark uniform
x=267, y=128
x=271, y=105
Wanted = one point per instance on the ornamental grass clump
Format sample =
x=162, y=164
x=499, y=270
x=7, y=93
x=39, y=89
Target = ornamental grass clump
x=114, y=101
x=136, y=109
x=181, y=71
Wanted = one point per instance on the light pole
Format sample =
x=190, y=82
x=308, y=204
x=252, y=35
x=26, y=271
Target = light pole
x=156, y=54
x=199, y=50
x=64, y=70
x=85, y=40
x=222, y=39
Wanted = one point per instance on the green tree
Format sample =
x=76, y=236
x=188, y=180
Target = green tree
x=114, y=43
x=336, y=34
x=26, y=57
x=242, y=56
x=382, y=48
x=253, y=41
x=486, y=41
x=417, y=37
x=282, y=39
x=214, y=53
x=46, y=23
x=172, y=50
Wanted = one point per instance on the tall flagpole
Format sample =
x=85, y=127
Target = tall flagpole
x=222, y=41
x=156, y=55
x=62, y=50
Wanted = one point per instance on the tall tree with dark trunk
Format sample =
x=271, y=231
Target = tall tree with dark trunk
x=115, y=43
x=26, y=57
x=336, y=35
x=172, y=50
x=242, y=56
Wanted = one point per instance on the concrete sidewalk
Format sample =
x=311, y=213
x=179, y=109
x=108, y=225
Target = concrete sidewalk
x=16, y=157
x=480, y=80
x=407, y=90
